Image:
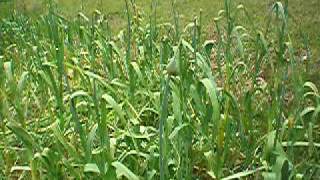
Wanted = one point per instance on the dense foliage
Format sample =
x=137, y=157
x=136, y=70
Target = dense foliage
x=155, y=101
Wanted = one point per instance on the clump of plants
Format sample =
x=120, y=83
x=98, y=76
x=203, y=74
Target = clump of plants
x=157, y=100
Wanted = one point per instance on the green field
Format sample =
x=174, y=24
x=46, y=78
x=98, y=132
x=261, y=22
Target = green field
x=147, y=89
x=304, y=15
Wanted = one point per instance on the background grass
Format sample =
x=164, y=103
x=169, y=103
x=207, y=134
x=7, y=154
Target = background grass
x=304, y=19
x=304, y=15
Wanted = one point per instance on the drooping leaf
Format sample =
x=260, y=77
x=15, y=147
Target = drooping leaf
x=109, y=99
x=211, y=89
x=23, y=135
x=91, y=168
x=122, y=170
x=20, y=168
x=208, y=46
x=243, y=174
